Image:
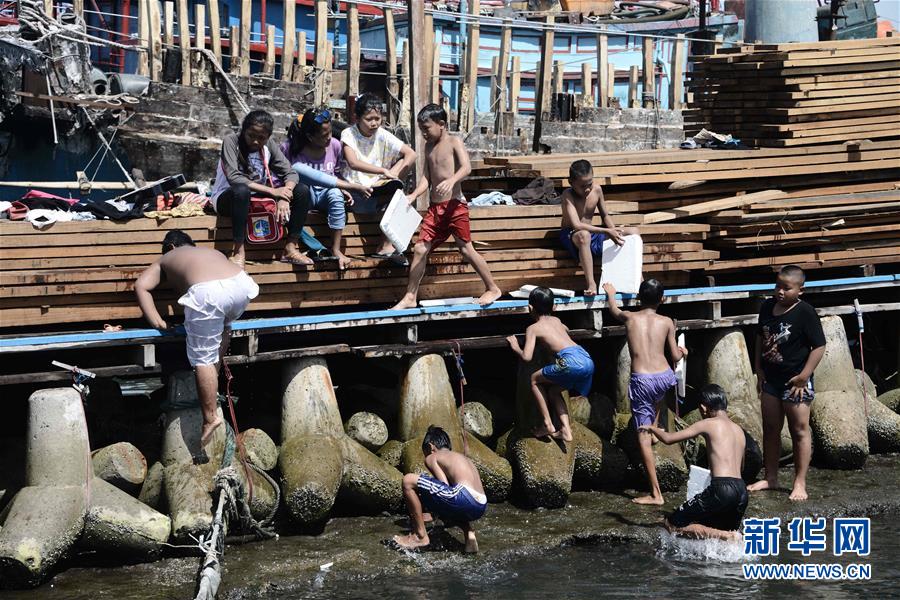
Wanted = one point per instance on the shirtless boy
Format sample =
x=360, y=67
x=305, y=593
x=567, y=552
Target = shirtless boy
x=573, y=368
x=454, y=493
x=215, y=292
x=577, y=234
x=648, y=336
x=446, y=165
x=717, y=511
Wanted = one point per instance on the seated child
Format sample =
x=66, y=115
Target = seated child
x=378, y=159
x=215, y=292
x=577, y=234
x=446, y=165
x=649, y=334
x=453, y=492
x=717, y=511
x=790, y=344
x=310, y=143
x=572, y=370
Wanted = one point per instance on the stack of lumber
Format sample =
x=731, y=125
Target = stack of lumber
x=85, y=272
x=781, y=95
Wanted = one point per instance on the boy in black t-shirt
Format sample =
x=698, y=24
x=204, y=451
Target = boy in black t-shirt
x=789, y=345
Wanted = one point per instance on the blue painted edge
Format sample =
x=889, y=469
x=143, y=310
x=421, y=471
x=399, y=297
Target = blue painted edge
x=270, y=323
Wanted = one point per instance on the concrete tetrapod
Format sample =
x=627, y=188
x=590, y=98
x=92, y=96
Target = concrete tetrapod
x=728, y=365
x=153, y=492
x=368, y=429
x=891, y=399
x=319, y=462
x=883, y=424
x=837, y=415
x=119, y=524
x=671, y=469
x=261, y=450
x=120, y=464
x=45, y=518
x=426, y=398
x=477, y=420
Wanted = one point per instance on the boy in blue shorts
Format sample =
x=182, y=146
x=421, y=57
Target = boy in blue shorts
x=453, y=492
x=577, y=234
x=573, y=368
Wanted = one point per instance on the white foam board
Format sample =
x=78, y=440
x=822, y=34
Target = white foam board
x=698, y=481
x=681, y=370
x=448, y=301
x=400, y=221
x=622, y=265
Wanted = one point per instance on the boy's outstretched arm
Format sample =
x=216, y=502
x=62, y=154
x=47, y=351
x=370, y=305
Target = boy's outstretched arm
x=613, y=304
x=358, y=164
x=527, y=353
x=421, y=186
x=675, y=351
x=148, y=281
x=435, y=468
x=445, y=188
x=407, y=158
x=609, y=228
x=676, y=436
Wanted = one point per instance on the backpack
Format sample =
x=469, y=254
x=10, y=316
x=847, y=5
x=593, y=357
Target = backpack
x=262, y=225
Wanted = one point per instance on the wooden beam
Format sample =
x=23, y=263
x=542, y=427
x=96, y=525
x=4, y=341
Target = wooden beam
x=558, y=74
x=48, y=8
x=470, y=84
x=502, y=64
x=648, y=96
x=542, y=100
x=405, y=108
x=299, y=74
x=427, y=39
x=143, y=67
x=321, y=52
x=169, y=22
x=676, y=85
x=603, y=82
x=353, y=50
x=269, y=64
x=612, y=83
x=587, y=85
x=184, y=41
x=392, y=86
x=78, y=9
x=632, y=86
x=435, y=89
x=328, y=74
x=215, y=29
x=199, y=43
x=289, y=43
x=495, y=83
x=702, y=208
x=156, y=48
x=418, y=81
x=515, y=84
x=246, y=23
x=235, y=47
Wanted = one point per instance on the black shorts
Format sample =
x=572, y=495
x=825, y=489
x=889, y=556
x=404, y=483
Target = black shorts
x=720, y=506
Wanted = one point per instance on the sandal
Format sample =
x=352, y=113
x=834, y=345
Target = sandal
x=322, y=255
x=296, y=258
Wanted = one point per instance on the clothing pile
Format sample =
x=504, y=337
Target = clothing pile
x=711, y=139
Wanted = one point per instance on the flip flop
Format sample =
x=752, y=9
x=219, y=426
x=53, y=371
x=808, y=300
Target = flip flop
x=323, y=255
x=382, y=255
x=295, y=259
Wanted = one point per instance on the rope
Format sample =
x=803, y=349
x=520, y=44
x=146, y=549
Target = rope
x=242, y=450
x=208, y=54
x=457, y=355
x=862, y=355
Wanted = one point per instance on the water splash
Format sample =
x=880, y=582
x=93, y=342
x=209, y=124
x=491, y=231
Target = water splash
x=672, y=546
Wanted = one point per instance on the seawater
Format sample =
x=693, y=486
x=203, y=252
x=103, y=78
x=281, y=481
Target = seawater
x=668, y=568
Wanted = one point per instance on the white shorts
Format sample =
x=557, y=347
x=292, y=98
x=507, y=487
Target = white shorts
x=209, y=308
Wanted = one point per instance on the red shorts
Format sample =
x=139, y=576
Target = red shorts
x=443, y=219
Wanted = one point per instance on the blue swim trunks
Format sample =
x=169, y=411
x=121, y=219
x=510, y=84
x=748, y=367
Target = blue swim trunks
x=450, y=502
x=573, y=370
x=565, y=238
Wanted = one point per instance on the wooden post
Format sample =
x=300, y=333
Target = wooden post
x=353, y=47
x=648, y=95
x=155, y=41
x=428, y=38
x=558, y=85
x=717, y=44
x=199, y=43
x=288, y=44
x=542, y=102
x=470, y=85
x=78, y=9
x=235, y=48
x=215, y=28
x=632, y=86
x=184, y=42
x=169, y=20
x=676, y=85
x=143, y=67
x=405, y=98
x=418, y=79
x=321, y=50
x=300, y=68
x=328, y=73
x=48, y=8
x=612, y=83
x=502, y=63
x=603, y=82
x=246, y=23
x=515, y=84
x=269, y=64
x=392, y=87
x=587, y=85
x=495, y=82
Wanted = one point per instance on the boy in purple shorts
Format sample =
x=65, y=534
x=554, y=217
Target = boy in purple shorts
x=573, y=368
x=577, y=234
x=453, y=492
x=652, y=377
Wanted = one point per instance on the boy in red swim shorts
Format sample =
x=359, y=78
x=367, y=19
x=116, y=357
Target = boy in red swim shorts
x=446, y=165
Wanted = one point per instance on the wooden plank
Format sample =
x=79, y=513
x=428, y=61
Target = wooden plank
x=353, y=50
x=503, y=64
x=143, y=66
x=632, y=87
x=542, y=100
x=676, y=85
x=78, y=9
x=587, y=85
x=289, y=43
x=215, y=28
x=515, y=84
x=428, y=38
x=234, y=37
x=199, y=43
x=246, y=24
x=558, y=77
x=392, y=86
x=299, y=74
x=269, y=63
x=713, y=206
x=156, y=48
x=169, y=24
x=648, y=95
x=603, y=80
x=184, y=41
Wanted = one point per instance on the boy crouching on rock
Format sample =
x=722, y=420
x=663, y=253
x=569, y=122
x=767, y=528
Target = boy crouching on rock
x=454, y=493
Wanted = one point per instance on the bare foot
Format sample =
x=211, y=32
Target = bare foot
x=408, y=301
x=427, y=518
x=544, y=430
x=655, y=500
x=208, y=429
x=471, y=543
x=590, y=292
x=798, y=494
x=564, y=433
x=344, y=261
x=762, y=484
x=490, y=296
x=411, y=541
